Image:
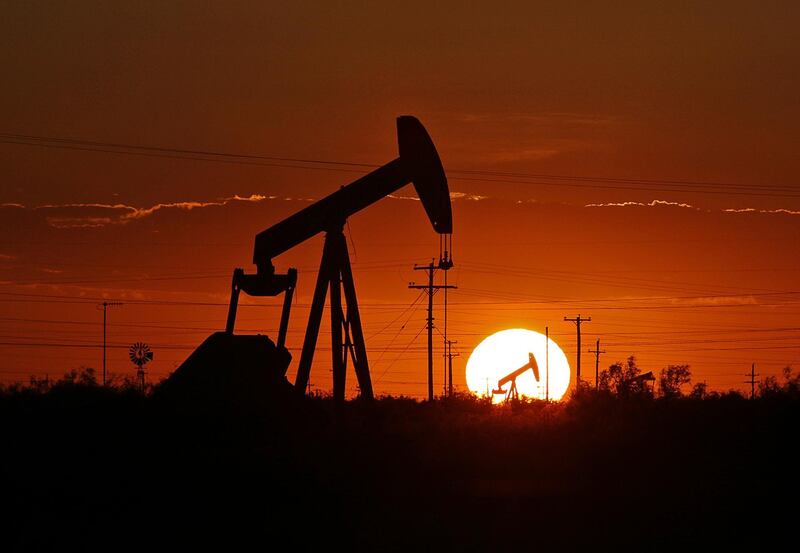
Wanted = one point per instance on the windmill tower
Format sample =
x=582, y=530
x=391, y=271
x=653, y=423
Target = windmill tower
x=140, y=354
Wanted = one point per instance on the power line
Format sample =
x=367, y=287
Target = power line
x=755, y=341
x=401, y=353
x=397, y=334
x=177, y=150
x=131, y=279
x=630, y=188
x=601, y=278
x=575, y=181
x=402, y=313
x=623, y=180
x=89, y=299
x=179, y=156
x=183, y=347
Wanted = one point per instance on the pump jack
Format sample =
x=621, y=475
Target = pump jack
x=418, y=164
x=512, y=393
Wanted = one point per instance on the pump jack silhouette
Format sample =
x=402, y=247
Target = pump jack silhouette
x=511, y=377
x=419, y=164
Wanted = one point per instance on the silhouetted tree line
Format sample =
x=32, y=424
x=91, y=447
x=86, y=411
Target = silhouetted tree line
x=84, y=377
x=788, y=387
x=623, y=379
x=83, y=464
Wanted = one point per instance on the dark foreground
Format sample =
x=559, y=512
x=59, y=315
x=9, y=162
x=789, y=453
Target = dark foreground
x=90, y=469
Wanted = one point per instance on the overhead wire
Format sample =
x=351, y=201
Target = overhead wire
x=308, y=163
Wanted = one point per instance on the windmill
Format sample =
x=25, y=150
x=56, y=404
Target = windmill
x=140, y=354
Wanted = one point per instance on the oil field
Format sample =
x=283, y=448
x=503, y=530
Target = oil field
x=373, y=277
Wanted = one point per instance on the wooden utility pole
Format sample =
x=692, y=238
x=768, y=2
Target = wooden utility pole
x=547, y=363
x=450, y=356
x=597, y=351
x=578, y=320
x=431, y=289
x=752, y=374
x=105, y=305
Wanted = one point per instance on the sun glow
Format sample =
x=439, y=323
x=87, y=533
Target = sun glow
x=508, y=350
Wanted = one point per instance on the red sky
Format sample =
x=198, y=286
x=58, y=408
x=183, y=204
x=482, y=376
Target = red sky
x=687, y=115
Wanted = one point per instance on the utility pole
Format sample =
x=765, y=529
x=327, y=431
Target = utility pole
x=547, y=363
x=597, y=351
x=450, y=356
x=431, y=289
x=105, y=305
x=578, y=320
x=752, y=374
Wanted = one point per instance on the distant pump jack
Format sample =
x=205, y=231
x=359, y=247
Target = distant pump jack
x=512, y=393
x=418, y=164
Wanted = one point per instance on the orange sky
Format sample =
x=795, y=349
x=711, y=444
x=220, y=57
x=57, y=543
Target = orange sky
x=696, y=107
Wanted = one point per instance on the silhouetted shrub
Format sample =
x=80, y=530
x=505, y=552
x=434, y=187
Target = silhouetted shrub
x=622, y=379
x=672, y=379
x=771, y=388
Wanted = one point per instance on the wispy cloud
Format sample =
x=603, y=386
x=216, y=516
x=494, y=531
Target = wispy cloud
x=654, y=203
x=398, y=197
x=88, y=215
x=715, y=300
x=453, y=196
x=79, y=222
x=465, y=196
x=96, y=215
x=664, y=203
x=7, y=257
x=780, y=211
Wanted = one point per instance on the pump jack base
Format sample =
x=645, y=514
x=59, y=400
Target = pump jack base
x=231, y=372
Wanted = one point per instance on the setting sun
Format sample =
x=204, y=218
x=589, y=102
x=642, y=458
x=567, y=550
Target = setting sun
x=504, y=352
